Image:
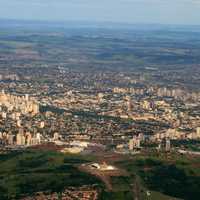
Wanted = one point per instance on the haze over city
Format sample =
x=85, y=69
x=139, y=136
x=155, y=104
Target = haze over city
x=127, y=11
x=99, y=100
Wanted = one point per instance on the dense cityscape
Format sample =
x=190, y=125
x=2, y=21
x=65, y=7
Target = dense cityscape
x=84, y=117
x=96, y=114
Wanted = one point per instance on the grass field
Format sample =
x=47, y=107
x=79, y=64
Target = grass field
x=32, y=171
x=166, y=177
x=172, y=175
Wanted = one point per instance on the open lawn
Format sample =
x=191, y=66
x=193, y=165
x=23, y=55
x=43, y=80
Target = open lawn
x=32, y=171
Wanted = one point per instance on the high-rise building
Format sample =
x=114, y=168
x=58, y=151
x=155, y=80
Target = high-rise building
x=35, y=109
x=27, y=97
x=4, y=115
x=56, y=136
x=198, y=132
x=28, y=138
x=100, y=97
x=19, y=123
x=167, y=145
x=128, y=103
x=20, y=139
x=38, y=137
x=10, y=138
x=131, y=144
x=134, y=143
x=42, y=124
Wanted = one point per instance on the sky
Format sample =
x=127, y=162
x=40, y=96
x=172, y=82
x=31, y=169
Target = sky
x=125, y=11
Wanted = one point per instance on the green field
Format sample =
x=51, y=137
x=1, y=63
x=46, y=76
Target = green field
x=32, y=171
x=173, y=175
x=165, y=176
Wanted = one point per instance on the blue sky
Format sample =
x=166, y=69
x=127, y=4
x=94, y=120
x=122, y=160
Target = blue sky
x=129, y=11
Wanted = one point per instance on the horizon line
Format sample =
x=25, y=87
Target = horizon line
x=98, y=22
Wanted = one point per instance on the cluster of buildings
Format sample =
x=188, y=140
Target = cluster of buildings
x=120, y=118
x=15, y=103
x=72, y=193
x=111, y=109
x=20, y=139
x=175, y=134
x=134, y=143
x=13, y=110
x=177, y=93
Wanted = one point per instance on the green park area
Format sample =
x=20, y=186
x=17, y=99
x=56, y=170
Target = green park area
x=32, y=171
x=165, y=176
x=150, y=177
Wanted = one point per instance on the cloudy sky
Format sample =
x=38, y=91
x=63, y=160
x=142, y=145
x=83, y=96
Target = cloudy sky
x=131, y=11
